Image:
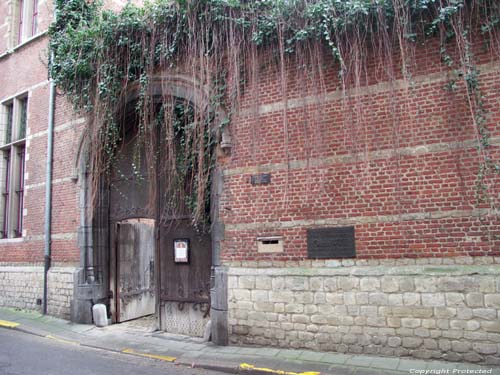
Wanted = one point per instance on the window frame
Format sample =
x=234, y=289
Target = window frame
x=25, y=20
x=13, y=165
x=34, y=18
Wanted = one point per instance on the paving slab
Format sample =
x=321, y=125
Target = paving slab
x=289, y=354
x=409, y=364
x=334, y=358
x=359, y=361
x=227, y=349
x=81, y=328
x=385, y=363
x=193, y=346
x=267, y=352
x=189, y=356
x=181, y=346
x=248, y=351
x=311, y=356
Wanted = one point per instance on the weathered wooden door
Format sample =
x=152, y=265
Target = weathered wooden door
x=135, y=288
x=185, y=286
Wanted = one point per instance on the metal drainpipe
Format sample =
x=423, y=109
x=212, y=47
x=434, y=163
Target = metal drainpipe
x=48, y=192
x=48, y=181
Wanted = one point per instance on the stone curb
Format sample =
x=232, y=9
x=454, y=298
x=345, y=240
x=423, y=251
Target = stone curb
x=219, y=368
x=20, y=328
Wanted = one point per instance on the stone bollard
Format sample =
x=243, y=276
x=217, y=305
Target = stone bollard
x=100, y=315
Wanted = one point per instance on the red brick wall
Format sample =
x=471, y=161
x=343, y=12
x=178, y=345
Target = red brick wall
x=400, y=163
x=403, y=173
x=25, y=70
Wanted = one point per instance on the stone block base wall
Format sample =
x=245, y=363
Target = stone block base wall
x=21, y=286
x=448, y=312
x=61, y=283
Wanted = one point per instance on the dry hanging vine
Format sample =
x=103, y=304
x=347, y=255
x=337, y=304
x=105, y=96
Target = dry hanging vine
x=98, y=55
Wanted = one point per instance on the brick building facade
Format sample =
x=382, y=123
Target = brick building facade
x=25, y=104
x=424, y=279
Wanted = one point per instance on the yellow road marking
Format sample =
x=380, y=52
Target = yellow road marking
x=246, y=366
x=62, y=340
x=7, y=324
x=154, y=356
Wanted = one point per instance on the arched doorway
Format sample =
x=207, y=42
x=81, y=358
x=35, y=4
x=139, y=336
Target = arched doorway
x=184, y=288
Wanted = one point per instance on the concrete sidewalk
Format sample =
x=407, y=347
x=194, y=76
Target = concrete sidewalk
x=182, y=350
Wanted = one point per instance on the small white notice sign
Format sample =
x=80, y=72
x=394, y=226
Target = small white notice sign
x=181, y=251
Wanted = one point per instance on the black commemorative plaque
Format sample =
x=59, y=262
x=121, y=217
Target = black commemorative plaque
x=325, y=243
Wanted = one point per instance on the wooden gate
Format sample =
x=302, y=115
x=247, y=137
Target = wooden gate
x=135, y=287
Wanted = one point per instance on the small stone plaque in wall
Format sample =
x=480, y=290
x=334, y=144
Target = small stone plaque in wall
x=260, y=179
x=325, y=243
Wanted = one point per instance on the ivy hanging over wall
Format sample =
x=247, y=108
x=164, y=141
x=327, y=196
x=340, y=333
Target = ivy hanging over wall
x=99, y=55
